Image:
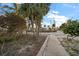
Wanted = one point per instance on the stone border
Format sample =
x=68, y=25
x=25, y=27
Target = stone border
x=41, y=51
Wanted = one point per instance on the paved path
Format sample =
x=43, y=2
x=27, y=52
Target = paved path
x=53, y=48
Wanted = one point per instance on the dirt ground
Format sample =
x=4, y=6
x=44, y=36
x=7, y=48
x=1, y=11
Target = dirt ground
x=72, y=47
x=23, y=46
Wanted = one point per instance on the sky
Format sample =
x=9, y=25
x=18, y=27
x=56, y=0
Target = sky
x=5, y=4
x=60, y=12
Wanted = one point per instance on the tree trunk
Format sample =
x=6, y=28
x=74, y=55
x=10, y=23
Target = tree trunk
x=37, y=30
x=32, y=23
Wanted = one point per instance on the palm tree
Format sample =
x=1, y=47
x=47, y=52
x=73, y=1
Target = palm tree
x=35, y=12
x=41, y=10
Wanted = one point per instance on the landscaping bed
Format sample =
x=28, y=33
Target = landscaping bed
x=71, y=46
x=25, y=45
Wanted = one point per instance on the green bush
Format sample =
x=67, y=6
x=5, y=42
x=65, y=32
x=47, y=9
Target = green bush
x=71, y=27
x=6, y=39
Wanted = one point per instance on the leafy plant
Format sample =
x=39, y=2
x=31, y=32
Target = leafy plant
x=71, y=27
x=7, y=39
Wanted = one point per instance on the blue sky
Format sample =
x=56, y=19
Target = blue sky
x=68, y=10
x=60, y=12
x=5, y=4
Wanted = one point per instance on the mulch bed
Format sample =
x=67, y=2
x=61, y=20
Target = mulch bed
x=72, y=47
x=25, y=45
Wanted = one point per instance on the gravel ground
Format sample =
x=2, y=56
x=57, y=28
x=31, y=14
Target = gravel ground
x=23, y=46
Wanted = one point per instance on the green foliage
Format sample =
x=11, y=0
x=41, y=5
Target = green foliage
x=29, y=9
x=34, y=13
x=71, y=27
x=7, y=39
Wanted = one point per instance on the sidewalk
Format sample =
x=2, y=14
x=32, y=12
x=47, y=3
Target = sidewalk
x=52, y=48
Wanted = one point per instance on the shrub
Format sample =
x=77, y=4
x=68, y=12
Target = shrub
x=12, y=22
x=7, y=39
x=71, y=27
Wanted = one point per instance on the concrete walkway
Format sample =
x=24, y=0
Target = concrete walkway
x=52, y=47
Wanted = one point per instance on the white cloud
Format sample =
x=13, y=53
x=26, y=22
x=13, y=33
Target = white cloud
x=58, y=18
x=55, y=12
